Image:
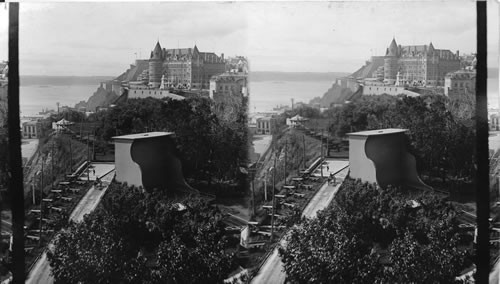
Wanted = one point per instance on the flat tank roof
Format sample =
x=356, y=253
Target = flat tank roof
x=142, y=135
x=378, y=132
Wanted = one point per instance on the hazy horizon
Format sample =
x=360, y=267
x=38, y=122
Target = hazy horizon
x=103, y=39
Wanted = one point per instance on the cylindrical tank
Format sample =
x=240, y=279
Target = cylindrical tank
x=155, y=72
x=390, y=69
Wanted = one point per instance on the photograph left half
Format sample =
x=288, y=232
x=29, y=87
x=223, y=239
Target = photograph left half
x=134, y=141
x=6, y=238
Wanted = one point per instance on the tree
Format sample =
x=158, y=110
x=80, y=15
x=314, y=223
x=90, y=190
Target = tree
x=322, y=251
x=208, y=147
x=345, y=244
x=94, y=252
x=144, y=237
x=440, y=131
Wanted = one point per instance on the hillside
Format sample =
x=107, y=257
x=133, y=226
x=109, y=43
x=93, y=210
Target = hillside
x=336, y=94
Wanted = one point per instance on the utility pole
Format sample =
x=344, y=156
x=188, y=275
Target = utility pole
x=327, y=145
x=33, y=189
x=265, y=187
x=88, y=157
x=304, y=145
x=321, y=165
x=272, y=210
x=52, y=162
x=71, y=156
x=253, y=192
x=41, y=208
x=286, y=150
x=93, y=146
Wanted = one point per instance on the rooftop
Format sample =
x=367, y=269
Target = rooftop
x=142, y=135
x=378, y=132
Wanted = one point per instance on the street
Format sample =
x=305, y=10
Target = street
x=28, y=147
x=40, y=273
x=272, y=270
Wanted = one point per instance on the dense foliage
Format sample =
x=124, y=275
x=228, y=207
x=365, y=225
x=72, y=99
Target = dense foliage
x=441, y=130
x=389, y=241
x=209, y=147
x=141, y=237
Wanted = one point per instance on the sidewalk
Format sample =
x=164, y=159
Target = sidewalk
x=41, y=270
x=272, y=269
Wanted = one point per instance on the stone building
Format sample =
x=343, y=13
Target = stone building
x=460, y=82
x=228, y=85
x=183, y=67
x=419, y=64
x=32, y=129
x=265, y=125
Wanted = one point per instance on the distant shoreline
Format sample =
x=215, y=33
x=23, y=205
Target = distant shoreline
x=34, y=80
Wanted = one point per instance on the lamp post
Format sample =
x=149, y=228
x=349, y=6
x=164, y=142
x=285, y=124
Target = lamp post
x=321, y=165
x=304, y=145
x=71, y=156
x=265, y=186
x=252, y=176
x=286, y=150
x=41, y=207
x=274, y=185
x=88, y=157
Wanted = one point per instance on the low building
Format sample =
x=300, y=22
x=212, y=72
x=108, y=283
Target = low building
x=295, y=121
x=494, y=122
x=265, y=125
x=460, y=82
x=380, y=156
x=32, y=129
x=148, y=160
x=142, y=92
x=375, y=88
x=228, y=85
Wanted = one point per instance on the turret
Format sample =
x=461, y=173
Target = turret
x=393, y=48
x=155, y=66
x=156, y=54
x=431, y=48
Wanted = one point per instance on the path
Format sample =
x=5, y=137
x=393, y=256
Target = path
x=272, y=269
x=40, y=273
x=28, y=148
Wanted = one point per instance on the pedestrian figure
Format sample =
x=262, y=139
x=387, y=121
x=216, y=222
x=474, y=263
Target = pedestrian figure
x=327, y=168
x=93, y=171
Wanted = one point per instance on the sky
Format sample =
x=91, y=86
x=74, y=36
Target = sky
x=86, y=39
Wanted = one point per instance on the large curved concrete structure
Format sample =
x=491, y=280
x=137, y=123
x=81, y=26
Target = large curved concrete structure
x=381, y=156
x=149, y=160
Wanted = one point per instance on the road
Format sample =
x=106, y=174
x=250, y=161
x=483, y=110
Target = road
x=28, y=147
x=272, y=269
x=40, y=273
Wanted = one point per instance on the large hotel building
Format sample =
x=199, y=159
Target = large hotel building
x=186, y=68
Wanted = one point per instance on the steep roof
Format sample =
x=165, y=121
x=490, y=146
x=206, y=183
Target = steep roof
x=393, y=48
x=157, y=51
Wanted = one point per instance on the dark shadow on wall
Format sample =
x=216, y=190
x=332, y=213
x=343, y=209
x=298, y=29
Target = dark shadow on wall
x=393, y=163
x=160, y=167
